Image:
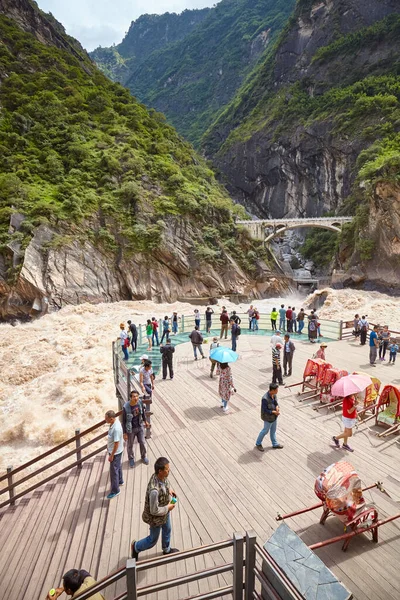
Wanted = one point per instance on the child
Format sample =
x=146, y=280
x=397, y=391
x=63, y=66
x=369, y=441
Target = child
x=349, y=419
x=214, y=344
x=393, y=350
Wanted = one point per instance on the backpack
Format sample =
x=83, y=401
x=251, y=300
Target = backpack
x=312, y=326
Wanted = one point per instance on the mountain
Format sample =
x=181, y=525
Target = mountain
x=100, y=199
x=191, y=79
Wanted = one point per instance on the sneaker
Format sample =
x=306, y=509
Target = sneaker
x=123, y=483
x=278, y=446
x=131, y=462
x=146, y=460
x=259, y=447
x=336, y=442
x=201, y=357
x=211, y=375
x=112, y=495
x=171, y=551
x=195, y=358
x=134, y=554
x=225, y=408
x=347, y=447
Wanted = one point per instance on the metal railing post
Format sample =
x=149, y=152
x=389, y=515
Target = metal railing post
x=237, y=566
x=131, y=583
x=128, y=385
x=183, y=323
x=78, y=448
x=140, y=335
x=116, y=359
x=10, y=482
x=341, y=330
x=249, y=578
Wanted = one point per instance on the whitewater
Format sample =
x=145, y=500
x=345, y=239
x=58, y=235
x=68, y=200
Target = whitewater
x=56, y=372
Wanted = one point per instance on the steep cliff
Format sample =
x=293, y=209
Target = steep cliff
x=192, y=79
x=99, y=198
x=289, y=141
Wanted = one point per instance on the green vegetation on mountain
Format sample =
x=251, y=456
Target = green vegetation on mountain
x=79, y=153
x=192, y=79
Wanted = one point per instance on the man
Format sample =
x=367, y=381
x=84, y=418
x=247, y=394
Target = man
x=224, y=318
x=294, y=321
x=236, y=317
x=276, y=364
x=167, y=352
x=76, y=582
x=289, y=314
x=156, y=513
x=134, y=334
x=288, y=352
x=197, y=339
x=282, y=317
x=373, y=345
x=214, y=344
x=269, y=414
x=133, y=418
x=115, y=448
x=208, y=314
x=300, y=319
x=166, y=329
x=235, y=330
x=364, y=325
x=250, y=314
x=154, y=324
x=146, y=378
x=276, y=339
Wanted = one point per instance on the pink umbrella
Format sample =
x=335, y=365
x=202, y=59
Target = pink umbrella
x=351, y=384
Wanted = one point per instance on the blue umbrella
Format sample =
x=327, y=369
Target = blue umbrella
x=224, y=355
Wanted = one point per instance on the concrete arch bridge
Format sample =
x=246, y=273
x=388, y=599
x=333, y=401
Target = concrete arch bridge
x=261, y=228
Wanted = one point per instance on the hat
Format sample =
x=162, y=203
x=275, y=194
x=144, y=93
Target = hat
x=277, y=331
x=278, y=345
x=323, y=345
x=144, y=357
x=215, y=339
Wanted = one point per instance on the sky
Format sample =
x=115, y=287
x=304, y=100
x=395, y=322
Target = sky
x=104, y=22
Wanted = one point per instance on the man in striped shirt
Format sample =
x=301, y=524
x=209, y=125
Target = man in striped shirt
x=276, y=364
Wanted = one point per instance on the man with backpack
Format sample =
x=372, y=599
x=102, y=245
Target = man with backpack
x=236, y=331
x=133, y=422
x=167, y=358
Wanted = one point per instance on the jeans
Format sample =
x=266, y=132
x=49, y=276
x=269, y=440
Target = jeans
x=383, y=348
x=139, y=433
x=167, y=364
x=289, y=325
x=155, y=335
x=126, y=353
x=373, y=350
x=392, y=357
x=294, y=325
x=273, y=324
x=282, y=324
x=116, y=478
x=147, y=387
x=208, y=326
x=164, y=333
x=234, y=341
x=254, y=324
x=199, y=348
x=174, y=326
x=271, y=427
x=152, y=539
x=301, y=326
x=197, y=323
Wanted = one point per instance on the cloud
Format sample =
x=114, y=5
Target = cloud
x=102, y=23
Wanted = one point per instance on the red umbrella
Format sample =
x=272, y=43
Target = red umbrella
x=351, y=384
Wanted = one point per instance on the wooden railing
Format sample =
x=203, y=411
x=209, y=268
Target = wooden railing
x=348, y=328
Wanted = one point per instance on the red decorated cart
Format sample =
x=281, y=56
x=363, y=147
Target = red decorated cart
x=313, y=376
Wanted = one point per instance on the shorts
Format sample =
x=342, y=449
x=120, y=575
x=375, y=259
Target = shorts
x=348, y=423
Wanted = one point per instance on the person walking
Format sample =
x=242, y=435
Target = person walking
x=276, y=364
x=124, y=341
x=273, y=316
x=349, y=419
x=384, y=338
x=214, y=344
x=226, y=386
x=157, y=508
x=294, y=320
x=300, y=320
x=115, y=448
x=269, y=415
x=197, y=339
x=288, y=352
x=197, y=318
x=149, y=334
x=224, y=318
x=288, y=315
x=146, y=378
x=133, y=423
x=208, y=314
x=282, y=317
x=235, y=331
x=75, y=582
x=134, y=335
x=364, y=325
x=167, y=352
x=276, y=339
x=373, y=346
x=154, y=324
x=166, y=329
x=250, y=314
x=174, y=320
x=321, y=352
x=393, y=350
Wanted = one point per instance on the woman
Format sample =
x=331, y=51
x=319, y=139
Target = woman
x=166, y=330
x=225, y=387
x=273, y=317
x=124, y=339
x=149, y=333
x=197, y=318
x=349, y=419
x=175, y=323
x=321, y=352
x=208, y=314
x=356, y=325
x=312, y=329
x=384, y=339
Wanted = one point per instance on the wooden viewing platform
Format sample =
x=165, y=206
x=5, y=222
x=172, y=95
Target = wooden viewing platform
x=223, y=484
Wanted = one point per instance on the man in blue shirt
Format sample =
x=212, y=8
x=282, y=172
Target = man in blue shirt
x=282, y=317
x=269, y=414
x=373, y=346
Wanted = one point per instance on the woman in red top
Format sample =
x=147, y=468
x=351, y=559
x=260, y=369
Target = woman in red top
x=349, y=418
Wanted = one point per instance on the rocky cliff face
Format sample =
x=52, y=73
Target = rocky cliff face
x=280, y=149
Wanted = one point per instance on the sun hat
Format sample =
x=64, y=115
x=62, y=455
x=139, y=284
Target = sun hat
x=323, y=345
x=144, y=357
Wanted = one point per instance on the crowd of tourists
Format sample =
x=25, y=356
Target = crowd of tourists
x=380, y=340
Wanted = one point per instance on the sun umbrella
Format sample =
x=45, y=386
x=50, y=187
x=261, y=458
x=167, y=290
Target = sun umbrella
x=223, y=355
x=351, y=384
